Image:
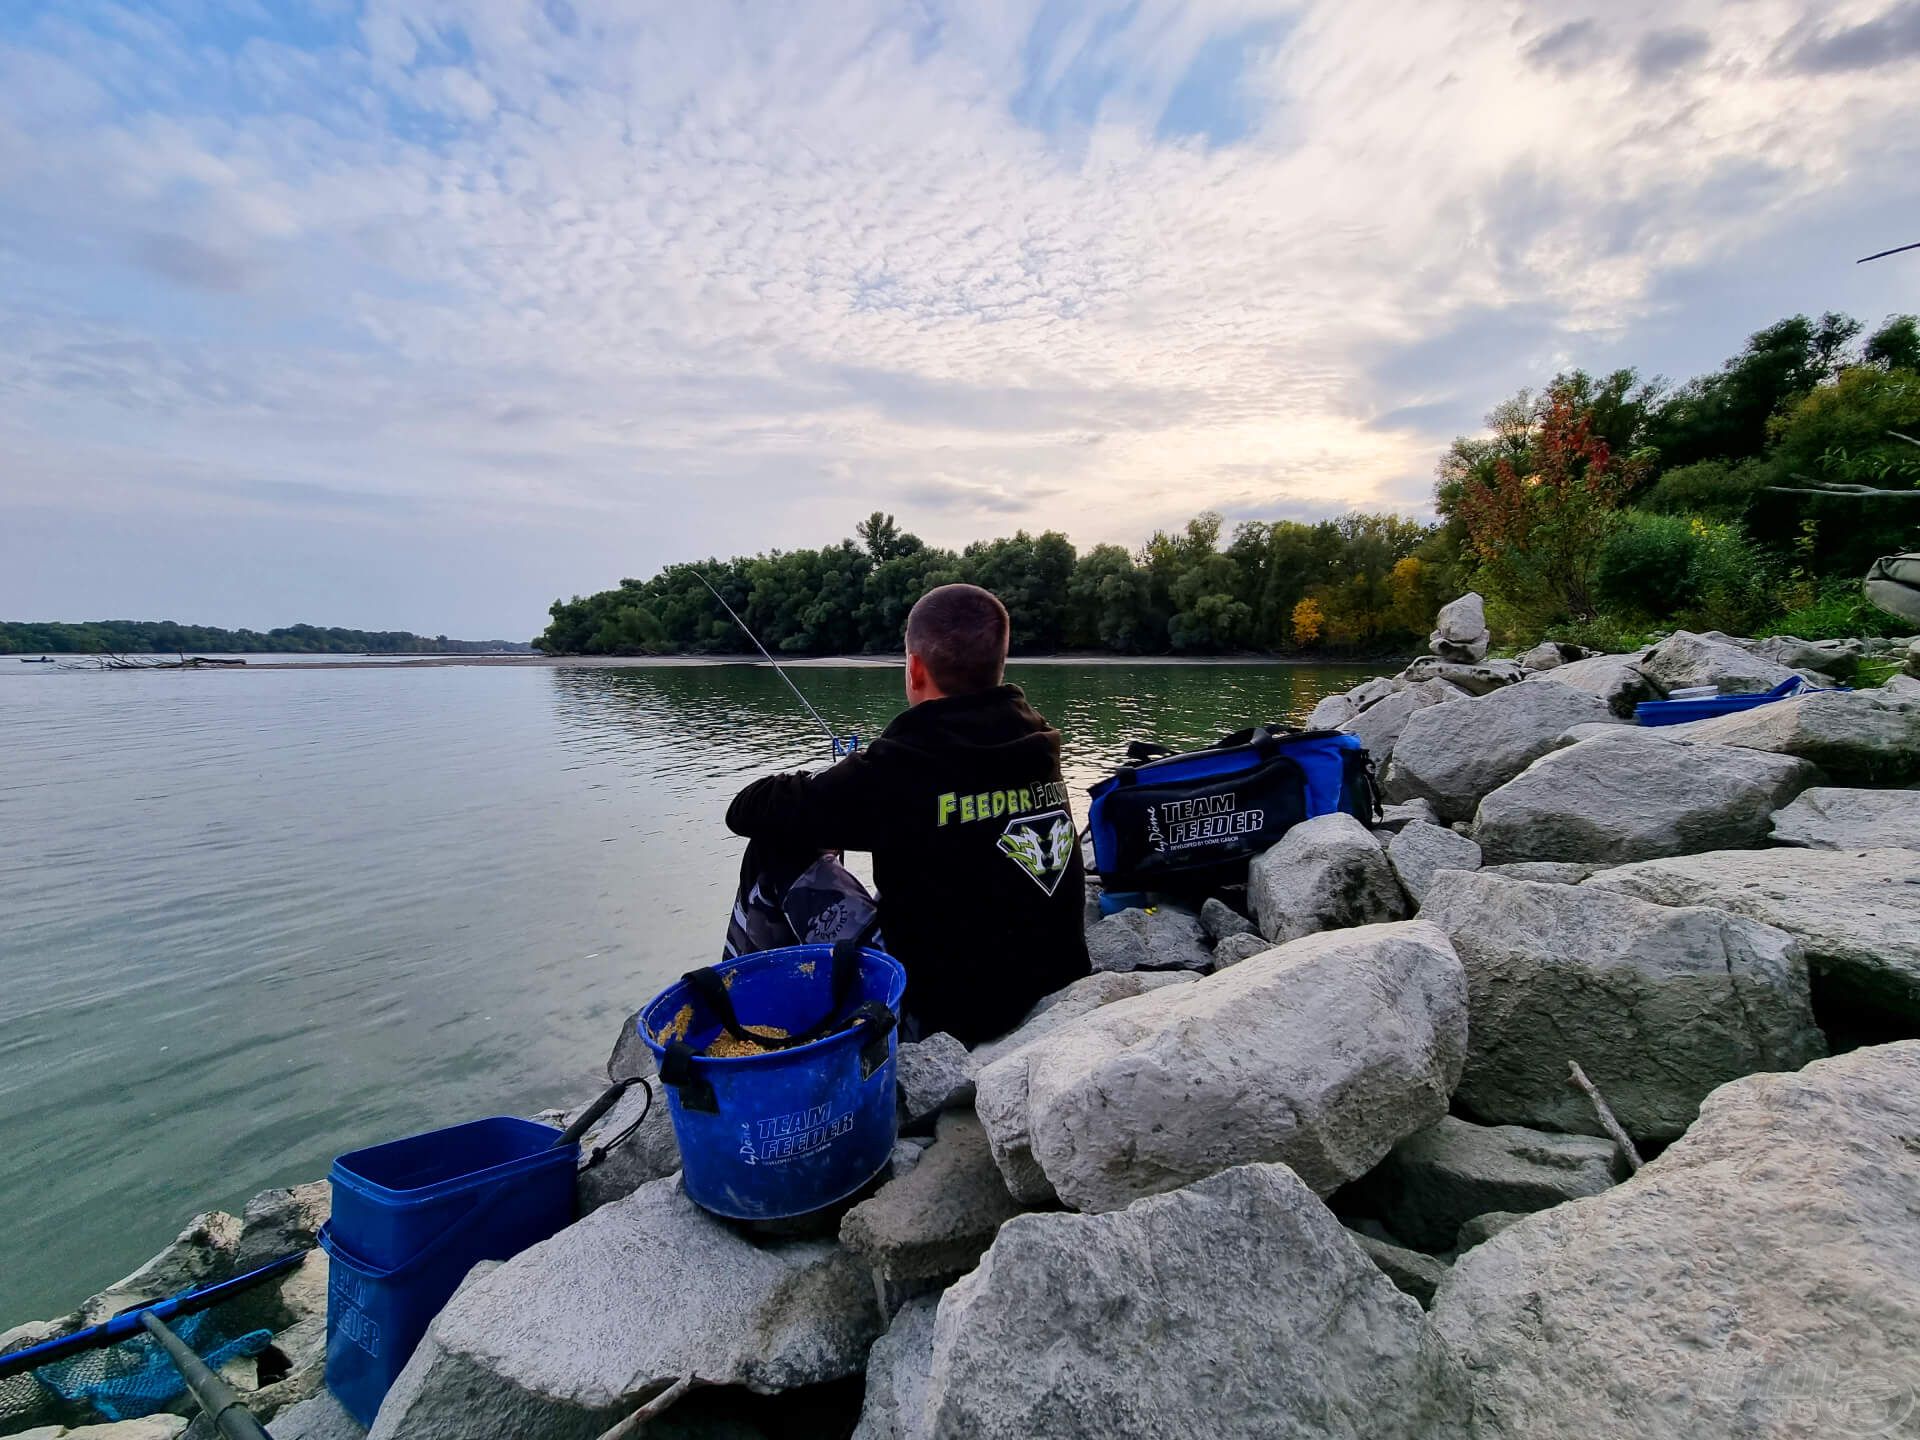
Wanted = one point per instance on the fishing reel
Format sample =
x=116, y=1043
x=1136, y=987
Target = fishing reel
x=843, y=746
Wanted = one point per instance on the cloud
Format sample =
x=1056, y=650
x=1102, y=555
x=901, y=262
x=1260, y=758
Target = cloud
x=648, y=283
x=1887, y=38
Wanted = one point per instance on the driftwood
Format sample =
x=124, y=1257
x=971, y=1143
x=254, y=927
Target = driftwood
x=653, y=1409
x=1607, y=1120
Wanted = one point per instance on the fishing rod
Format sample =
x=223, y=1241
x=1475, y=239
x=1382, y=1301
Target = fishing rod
x=840, y=747
x=1881, y=255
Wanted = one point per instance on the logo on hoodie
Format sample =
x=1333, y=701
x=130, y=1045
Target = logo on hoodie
x=1041, y=845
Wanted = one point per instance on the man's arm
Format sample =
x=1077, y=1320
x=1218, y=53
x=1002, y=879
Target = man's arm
x=839, y=808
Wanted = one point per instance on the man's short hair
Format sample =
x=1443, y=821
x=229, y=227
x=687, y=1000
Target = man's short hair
x=961, y=632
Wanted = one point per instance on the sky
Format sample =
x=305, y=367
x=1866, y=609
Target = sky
x=419, y=314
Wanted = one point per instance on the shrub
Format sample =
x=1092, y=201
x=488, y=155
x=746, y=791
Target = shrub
x=1717, y=489
x=1839, y=612
x=1646, y=566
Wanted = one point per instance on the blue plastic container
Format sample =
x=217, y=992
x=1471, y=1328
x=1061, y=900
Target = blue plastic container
x=794, y=1130
x=410, y=1219
x=1679, y=712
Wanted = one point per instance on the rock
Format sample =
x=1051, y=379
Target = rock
x=1372, y=692
x=1453, y=755
x=906, y=1154
x=934, y=1074
x=1398, y=817
x=279, y=1222
x=1912, y=665
x=1320, y=1053
x=1324, y=874
x=1834, y=659
x=1637, y=795
x=1851, y=735
x=1460, y=631
x=1902, y=687
x=1237, y=1307
x=651, y=1153
x=1083, y=996
x=1380, y=726
x=1758, y=1281
x=320, y=1418
x=151, y=1427
x=1546, y=872
x=897, y=1375
x=1658, y=1005
x=575, y=1332
x=1220, y=920
x=1411, y=1272
x=1551, y=655
x=1235, y=948
x=1685, y=658
x=1330, y=712
x=631, y=1059
x=936, y=1222
x=201, y=1254
x=1827, y=819
x=1482, y=1228
x=1616, y=679
x=1159, y=939
x=1420, y=851
x=1437, y=1179
x=1856, y=913
x=303, y=1293
x=1478, y=679
x=299, y=1357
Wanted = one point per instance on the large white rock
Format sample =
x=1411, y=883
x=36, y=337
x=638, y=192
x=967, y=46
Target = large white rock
x=1835, y=659
x=1829, y=819
x=1685, y=658
x=1637, y=795
x=1380, y=726
x=1330, y=712
x=574, y=1333
x=1420, y=851
x=1453, y=755
x=1321, y=1053
x=1616, y=679
x=1658, y=1005
x=1437, y=1179
x=1851, y=735
x=1083, y=996
x=1163, y=938
x=1460, y=630
x=1237, y=1307
x=1474, y=679
x=1325, y=874
x=1759, y=1281
x=1856, y=913
x=933, y=1222
x=897, y=1375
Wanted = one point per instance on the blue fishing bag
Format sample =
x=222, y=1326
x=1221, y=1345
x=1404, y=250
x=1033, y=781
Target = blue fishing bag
x=1195, y=819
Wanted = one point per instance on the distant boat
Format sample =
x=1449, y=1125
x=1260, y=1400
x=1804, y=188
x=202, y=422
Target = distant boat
x=43, y=660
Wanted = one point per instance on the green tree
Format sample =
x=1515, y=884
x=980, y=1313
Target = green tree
x=1895, y=345
x=1725, y=415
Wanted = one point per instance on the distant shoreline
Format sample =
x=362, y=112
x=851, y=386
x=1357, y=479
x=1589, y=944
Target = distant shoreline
x=798, y=662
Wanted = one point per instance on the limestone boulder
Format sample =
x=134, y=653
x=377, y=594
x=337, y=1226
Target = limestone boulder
x=1083, y=996
x=320, y=1418
x=203, y=1253
x=568, y=1337
x=1760, y=1280
x=1488, y=675
x=1421, y=851
x=1380, y=726
x=1460, y=631
x=1411, y=1271
x=1235, y=1307
x=1855, y=913
x=1859, y=736
x=1616, y=679
x=1835, y=659
x=1482, y=1228
x=1235, y=948
x=1902, y=687
x=935, y=1222
x=1396, y=818
x=1320, y=1053
x=651, y=1152
x=630, y=1058
x=1637, y=795
x=1164, y=938
x=1685, y=658
x=1451, y=756
x=1220, y=920
x=281, y=1221
x=897, y=1374
x=1834, y=819
x=933, y=1074
x=1552, y=654
x=1330, y=712
x=1437, y=1179
x=1324, y=874
x=1547, y=872
x=1657, y=1004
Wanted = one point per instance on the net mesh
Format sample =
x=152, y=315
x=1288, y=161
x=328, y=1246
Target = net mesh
x=127, y=1380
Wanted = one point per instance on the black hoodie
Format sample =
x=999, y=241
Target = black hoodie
x=975, y=853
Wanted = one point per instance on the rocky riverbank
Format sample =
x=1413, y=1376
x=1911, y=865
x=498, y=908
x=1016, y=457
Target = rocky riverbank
x=1308, y=1159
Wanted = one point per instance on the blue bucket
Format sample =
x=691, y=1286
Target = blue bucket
x=410, y=1219
x=790, y=1131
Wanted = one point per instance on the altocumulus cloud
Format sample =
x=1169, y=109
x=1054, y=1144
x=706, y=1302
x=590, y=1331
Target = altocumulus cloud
x=594, y=285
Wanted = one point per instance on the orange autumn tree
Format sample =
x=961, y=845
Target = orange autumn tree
x=1538, y=535
x=1308, y=621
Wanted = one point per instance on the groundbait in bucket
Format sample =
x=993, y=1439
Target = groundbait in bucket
x=783, y=1132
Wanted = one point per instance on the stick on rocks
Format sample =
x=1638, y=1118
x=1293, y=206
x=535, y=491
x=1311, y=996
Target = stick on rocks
x=1607, y=1122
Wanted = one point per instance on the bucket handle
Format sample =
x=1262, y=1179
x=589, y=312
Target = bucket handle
x=711, y=988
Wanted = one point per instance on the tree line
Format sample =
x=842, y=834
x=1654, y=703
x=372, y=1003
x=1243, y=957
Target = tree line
x=165, y=637
x=1596, y=508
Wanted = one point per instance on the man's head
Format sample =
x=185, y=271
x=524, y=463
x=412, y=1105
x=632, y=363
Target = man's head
x=956, y=643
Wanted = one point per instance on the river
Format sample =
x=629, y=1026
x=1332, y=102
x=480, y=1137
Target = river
x=251, y=919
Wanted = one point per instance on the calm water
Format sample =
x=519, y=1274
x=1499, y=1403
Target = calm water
x=251, y=920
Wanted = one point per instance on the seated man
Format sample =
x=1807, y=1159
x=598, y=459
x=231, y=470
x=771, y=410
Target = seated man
x=961, y=803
